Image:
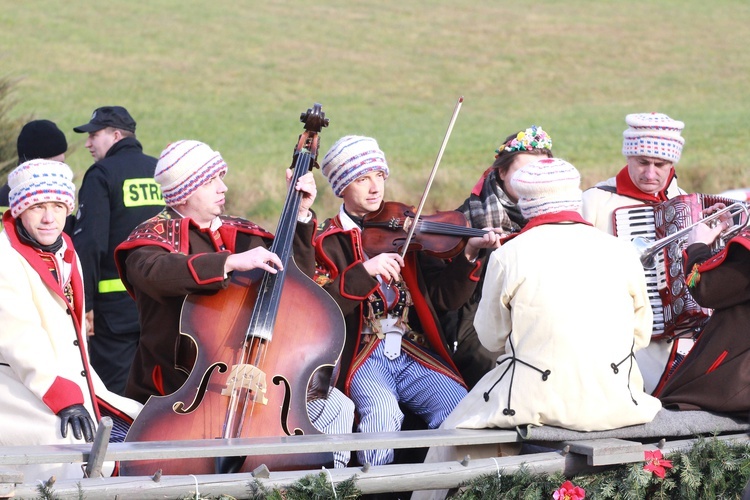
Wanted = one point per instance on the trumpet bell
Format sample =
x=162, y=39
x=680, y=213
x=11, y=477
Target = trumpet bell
x=648, y=249
x=644, y=248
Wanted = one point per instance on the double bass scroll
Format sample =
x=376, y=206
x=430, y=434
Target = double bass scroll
x=254, y=366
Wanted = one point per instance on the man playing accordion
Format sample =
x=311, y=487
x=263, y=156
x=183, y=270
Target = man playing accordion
x=652, y=145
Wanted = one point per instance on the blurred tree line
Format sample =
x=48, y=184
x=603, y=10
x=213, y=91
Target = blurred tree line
x=9, y=128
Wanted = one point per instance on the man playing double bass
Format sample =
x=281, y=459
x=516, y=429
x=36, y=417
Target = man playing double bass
x=192, y=248
x=395, y=351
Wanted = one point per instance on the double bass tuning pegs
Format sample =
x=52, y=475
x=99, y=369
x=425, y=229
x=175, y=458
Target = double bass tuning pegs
x=314, y=118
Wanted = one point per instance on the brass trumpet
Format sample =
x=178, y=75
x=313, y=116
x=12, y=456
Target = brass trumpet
x=648, y=249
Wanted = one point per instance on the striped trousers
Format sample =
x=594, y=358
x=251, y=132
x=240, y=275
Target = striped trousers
x=380, y=384
x=334, y=415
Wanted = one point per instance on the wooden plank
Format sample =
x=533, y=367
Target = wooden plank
x=155, y=450
x=10, y=476
x=8, y=490
x=99, y=448
x=608, y=451
x=378, y=479
x=9, y=480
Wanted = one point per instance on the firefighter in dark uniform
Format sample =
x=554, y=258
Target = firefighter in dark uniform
x=117, y=193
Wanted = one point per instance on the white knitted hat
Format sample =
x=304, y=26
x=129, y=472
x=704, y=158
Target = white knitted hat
x=183, y=167
x=39, y=181
x=653, y=134
x=351, y=157
x=547, y=185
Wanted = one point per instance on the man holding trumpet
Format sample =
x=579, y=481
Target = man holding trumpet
x=715, y=375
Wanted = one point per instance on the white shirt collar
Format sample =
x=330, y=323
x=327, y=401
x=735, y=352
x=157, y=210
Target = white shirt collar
x=215, y=224
x=346, y=221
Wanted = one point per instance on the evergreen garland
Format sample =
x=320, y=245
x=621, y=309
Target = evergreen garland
x=710, y=469
x=311, y=487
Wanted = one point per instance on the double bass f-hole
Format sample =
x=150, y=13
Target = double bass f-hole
x=179, y=406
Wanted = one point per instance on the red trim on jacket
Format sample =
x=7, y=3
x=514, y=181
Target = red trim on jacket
x=550, y=218
x=32, y=256
x=718, y=361
x=194, y=272
x=426, y=317
x=355, y=238
x=158, y=380
x=61, y=394
x=476, y=273
x=114, y=411
x=173, y=235
x=477, y=189
x=742, y=239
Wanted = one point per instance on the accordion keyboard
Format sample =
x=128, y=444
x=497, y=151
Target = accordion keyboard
x=639, y=221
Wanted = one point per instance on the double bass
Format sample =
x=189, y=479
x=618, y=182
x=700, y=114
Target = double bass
x=254, y=367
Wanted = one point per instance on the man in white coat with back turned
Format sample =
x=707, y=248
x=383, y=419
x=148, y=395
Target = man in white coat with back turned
x=567, y=320
x=48, y=392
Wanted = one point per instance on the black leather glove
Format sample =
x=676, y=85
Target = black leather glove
x=79, y=419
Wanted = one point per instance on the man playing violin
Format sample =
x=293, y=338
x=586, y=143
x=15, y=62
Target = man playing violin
x=395, y=350
x=192, y=248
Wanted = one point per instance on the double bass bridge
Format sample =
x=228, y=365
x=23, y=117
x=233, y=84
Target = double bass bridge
x=250, y=377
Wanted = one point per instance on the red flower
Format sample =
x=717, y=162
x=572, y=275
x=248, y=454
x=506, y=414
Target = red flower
x=655, y=463
x=569, y=491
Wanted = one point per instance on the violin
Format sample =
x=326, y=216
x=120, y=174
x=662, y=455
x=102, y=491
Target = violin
x=442, y=234
x=392, y=227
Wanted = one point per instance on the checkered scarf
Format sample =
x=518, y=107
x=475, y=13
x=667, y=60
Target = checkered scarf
x=493, y=208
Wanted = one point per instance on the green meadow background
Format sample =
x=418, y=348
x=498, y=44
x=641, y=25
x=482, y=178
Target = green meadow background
x=237, y=74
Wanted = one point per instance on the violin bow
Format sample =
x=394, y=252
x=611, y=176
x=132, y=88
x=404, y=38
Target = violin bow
x=413, y=227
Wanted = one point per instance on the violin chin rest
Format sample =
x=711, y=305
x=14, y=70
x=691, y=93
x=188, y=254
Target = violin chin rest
x=228, y=465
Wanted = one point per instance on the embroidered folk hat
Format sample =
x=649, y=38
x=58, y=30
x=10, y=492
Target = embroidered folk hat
x=351, y=157
x=40, y=139
x=40, y=181
x=654, y=135
x=547, y=185
x=184, y=166
x=108, y=116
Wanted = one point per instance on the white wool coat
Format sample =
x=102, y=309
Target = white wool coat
x=569, y=300
x=599, y=205
x=41, y=364
x=598, y=208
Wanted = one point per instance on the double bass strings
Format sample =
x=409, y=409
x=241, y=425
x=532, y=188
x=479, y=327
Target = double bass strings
x=249, y=384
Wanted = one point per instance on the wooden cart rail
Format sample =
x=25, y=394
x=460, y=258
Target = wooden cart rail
x=571, y=458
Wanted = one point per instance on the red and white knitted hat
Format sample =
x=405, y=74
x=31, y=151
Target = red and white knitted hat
x=654, y=135
x=40, y=181
x=547, y=185
x=184, y=166
x=351, y=157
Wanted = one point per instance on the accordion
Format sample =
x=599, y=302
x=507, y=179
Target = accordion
x=675, y=311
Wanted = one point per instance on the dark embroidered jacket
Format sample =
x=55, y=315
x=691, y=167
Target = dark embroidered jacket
x=435, y=286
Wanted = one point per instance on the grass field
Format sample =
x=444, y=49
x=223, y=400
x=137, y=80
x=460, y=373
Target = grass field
x=237, y=74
